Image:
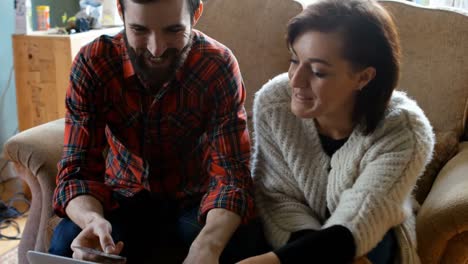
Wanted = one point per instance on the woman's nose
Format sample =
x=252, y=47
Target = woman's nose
x=299, y=78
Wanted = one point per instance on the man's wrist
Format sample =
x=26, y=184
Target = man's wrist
x=219, y=227
x=208, y=241
x=92, y=216
x=84, y=209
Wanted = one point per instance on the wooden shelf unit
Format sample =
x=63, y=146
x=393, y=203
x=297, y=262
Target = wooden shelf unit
x=42, y=65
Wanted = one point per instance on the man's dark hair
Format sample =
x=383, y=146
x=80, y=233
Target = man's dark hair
x=370, y=39
x=192, y=5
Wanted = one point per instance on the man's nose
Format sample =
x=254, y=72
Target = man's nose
x=156, y=46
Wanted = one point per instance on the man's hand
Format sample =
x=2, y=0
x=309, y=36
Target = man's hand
x=86, y=211
x=210, y=243
x=267, y=258
x=96, y=235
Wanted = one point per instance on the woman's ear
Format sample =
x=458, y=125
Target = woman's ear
x=365, y=76
x=198, y=13
x=119, y=9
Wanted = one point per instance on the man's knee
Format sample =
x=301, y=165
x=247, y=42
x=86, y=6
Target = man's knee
x=63, y=236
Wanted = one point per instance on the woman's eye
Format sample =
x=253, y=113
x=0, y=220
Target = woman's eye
x=319, y=74
x=293, y=61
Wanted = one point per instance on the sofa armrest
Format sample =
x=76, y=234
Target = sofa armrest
x=443, y=217
x=35, y=153
x=38, y=148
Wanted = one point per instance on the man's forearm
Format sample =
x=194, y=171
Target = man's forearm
x=83, y=209
x=220, y=226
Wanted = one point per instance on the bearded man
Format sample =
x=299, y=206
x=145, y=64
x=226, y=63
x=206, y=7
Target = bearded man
x=156, y=149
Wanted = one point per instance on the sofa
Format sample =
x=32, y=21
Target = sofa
x=253, y=29
x=434, y=72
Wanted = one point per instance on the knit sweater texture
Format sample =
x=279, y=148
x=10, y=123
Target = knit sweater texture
x=366, y=185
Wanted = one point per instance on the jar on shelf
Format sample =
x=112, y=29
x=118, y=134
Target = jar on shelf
x=43, y=17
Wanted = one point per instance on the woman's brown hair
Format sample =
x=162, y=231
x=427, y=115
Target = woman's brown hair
x=370, y=40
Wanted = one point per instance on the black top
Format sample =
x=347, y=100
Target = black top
x=334, y=244
x=330, y=145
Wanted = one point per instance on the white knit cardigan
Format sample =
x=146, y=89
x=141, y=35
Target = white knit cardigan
x=366, y=185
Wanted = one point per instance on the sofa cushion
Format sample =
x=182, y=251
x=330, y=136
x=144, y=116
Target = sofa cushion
x=434, y=61
x=262, y=52
x=445, y=148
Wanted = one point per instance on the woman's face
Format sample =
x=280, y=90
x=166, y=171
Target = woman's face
x=324, y=84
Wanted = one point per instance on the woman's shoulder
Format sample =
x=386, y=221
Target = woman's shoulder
x=404, y=112
x=274, y=93
x=403, y=106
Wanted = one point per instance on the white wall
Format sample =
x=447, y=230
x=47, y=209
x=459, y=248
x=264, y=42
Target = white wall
x=8, y=113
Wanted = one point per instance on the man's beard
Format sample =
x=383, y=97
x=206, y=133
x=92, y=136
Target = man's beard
x=156, y=76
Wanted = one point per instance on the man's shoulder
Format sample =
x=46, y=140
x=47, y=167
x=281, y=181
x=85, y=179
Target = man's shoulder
x=209, y=48
x=104, y=46
x=211, y=60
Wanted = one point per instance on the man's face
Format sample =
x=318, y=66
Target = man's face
x=157, y=35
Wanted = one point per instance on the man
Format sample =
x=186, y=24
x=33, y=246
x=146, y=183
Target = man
x=156, y=143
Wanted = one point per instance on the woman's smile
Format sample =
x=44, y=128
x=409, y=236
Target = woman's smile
x=302, y=97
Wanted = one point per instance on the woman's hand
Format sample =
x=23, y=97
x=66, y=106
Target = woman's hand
x=267, y=258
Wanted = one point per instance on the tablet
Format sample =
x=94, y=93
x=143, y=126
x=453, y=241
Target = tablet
x=36, y=257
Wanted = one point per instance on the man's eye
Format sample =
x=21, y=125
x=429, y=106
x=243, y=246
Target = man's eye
x=138, y=30
x=175, y=30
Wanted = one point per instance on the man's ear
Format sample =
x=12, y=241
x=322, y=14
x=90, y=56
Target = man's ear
x=198, y=13
x=119, y=9
x=365, y=76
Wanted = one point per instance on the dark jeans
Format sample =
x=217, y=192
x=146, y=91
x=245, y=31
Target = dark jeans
x=151, y=226
x=384, y=252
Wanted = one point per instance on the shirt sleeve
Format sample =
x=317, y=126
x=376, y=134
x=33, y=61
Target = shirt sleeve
x=82, y=167
x=229, y=152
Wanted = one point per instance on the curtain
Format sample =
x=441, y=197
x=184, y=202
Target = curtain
x=453, y=3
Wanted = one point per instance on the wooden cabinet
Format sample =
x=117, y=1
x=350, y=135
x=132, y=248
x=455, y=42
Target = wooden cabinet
x=42, y=68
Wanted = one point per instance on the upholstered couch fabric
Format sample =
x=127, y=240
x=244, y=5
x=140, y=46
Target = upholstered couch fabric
x=35, y=153
x=253, y=29
x=434, y=72
x=442, y=221
x=434, y=44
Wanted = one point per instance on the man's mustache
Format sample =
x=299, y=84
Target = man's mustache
x=169, y=53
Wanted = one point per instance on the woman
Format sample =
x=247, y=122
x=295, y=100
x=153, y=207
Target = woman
x=337, y=150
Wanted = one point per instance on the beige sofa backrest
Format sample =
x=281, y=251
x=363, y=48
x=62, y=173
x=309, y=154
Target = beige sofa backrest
x=435, y=62
x=255, y=31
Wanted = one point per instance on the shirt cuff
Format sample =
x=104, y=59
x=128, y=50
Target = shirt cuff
x=67, y=191
x=230, y=198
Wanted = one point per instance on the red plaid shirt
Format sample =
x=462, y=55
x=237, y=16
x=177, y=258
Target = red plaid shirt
x=189, y=140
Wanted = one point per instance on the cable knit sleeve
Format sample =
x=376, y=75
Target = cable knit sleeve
x=278, y=198
x=379, y=199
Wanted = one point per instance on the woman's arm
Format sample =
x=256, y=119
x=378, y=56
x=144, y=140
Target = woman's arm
x=279, y=200
x=379, y=198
